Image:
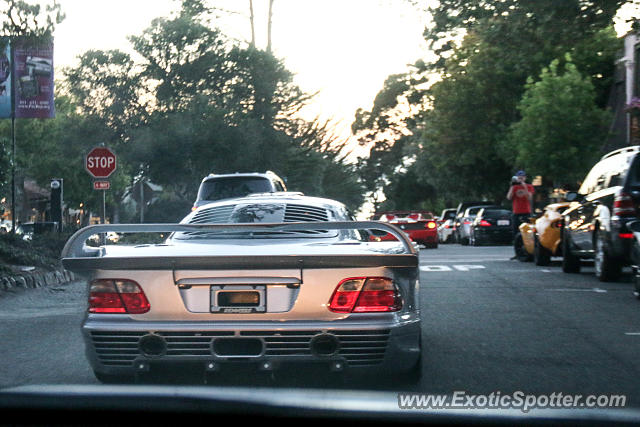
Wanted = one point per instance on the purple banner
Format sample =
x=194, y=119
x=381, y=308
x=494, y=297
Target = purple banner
x=34, y=80
x=5, y=80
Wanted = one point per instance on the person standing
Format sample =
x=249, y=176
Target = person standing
x=521, y=196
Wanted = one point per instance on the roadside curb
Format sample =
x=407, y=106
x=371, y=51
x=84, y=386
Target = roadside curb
x=35, y=280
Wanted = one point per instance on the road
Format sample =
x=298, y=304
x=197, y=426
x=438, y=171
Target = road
x=489, y=324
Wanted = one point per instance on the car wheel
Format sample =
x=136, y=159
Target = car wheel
x=607, y=268
x=113, y=378
x=414, y=374
x=570, y=262
x=541, y=255
x=636, y=283
x=464, y=241
x=519, y=249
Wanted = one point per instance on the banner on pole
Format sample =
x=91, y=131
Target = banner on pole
x=5, y=79
x=33, y=80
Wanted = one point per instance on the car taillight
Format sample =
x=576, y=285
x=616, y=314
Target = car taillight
x=484, y=223
x=623, y=205
x=625, y=235
x=558, y=224
x=365, y=295
x=447, y=226
x=117, y=296
x=431, y=225
x=467, y=222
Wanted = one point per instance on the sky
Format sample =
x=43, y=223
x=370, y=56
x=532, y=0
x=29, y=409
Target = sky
x=342, y=49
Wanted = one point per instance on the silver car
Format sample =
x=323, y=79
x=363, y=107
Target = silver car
x=270, y=280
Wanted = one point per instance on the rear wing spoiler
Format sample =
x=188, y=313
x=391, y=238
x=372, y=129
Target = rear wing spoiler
x=77, y=256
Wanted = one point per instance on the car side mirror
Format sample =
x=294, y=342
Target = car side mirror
x=634, y=226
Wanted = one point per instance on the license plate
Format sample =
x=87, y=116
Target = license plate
x=238, y=299
x=503, y=222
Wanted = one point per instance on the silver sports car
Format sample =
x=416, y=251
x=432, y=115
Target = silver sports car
x=268, y=280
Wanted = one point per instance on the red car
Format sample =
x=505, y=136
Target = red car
x=421, y=226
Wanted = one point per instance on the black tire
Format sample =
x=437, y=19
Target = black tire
x=519, y=249
x=412, y=376
x=464, y=241
x=608, y=268
x=541, y=255
x=636, y=283
x=113, y=378
x=570, y=262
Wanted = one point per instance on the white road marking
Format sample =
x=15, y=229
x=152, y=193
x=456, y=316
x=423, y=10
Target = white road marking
x=435, y=268
x=467, y=267
x=632, y=333
x=544, y=270
x=459, y=267
x=596, y=290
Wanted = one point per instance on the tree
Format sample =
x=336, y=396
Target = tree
x=562, y=128
x=464, y=102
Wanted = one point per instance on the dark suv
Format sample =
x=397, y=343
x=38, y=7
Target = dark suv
x=226, y=186
x=595, y=222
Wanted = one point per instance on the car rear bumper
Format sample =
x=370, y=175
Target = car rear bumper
x=117, y=346
x=503, y=235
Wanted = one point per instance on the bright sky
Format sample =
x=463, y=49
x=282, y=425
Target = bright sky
x=343, y=48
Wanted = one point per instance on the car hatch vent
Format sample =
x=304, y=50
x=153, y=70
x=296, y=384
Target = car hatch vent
x=303, y=213
x=215, y=215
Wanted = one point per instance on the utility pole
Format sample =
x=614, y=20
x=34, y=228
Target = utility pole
x=253, y=28
x=13, y=135
x=269, y=26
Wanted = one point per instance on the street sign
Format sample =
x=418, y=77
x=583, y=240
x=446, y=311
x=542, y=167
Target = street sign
x=100, y=162
x=101, y=185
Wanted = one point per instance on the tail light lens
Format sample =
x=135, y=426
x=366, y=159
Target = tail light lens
x=431, y=225
x=623, y=205
x=366, y=295
x=117, y=296
x=484, y=223
x=446, y=225
x=467, y=222
x=558, y=224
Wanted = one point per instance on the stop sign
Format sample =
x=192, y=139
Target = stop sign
x=100, y=162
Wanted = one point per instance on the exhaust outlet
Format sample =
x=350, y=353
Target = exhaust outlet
x=152, y=345
x=324, y=345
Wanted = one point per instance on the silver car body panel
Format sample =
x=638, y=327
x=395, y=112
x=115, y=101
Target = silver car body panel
x=296, y=274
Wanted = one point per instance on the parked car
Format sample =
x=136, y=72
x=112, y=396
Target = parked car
x=491, y=225
x=265, y=281
x=543, y=238
x=595, y=224
x=446, y=223
x=463, y=224
x=460, y=210
x=420, y=226
x=225, y=186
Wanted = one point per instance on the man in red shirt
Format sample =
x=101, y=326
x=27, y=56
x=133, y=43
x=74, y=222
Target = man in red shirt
x=521, y=196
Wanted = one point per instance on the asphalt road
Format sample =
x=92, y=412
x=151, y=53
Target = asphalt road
x=489, y=324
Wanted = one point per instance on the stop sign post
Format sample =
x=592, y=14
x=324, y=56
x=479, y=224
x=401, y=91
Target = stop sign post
x=101, y=163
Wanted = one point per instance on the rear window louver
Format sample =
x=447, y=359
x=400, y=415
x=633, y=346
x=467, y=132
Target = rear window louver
x=302, y=213
x=216, y=215
x=292, y=213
